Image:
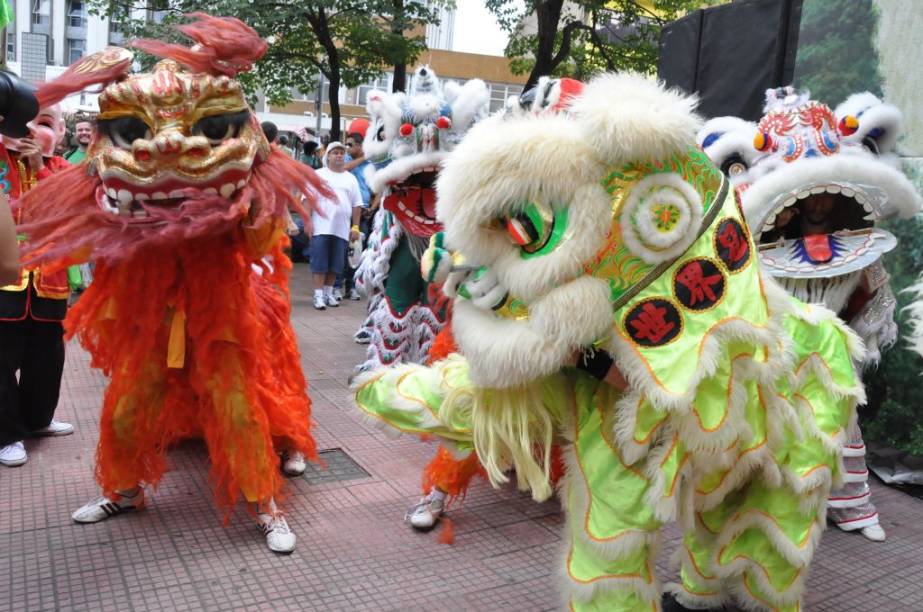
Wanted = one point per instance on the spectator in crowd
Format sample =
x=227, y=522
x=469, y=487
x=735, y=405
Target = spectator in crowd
x=331, y=232
x=270, y=131
x=83, y=133
x=310, y=155
x=355, y=164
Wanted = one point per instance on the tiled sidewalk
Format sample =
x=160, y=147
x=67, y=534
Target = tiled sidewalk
x=353, y=551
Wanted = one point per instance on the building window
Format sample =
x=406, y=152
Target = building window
x=383, y=83
x=77, y=14
x=76, y=47
x=116, y=37
x=41, y=15
x=499, y=92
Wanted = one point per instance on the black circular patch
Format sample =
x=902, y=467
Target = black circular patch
x=653, y=322
x=732, y=245
x=699, y=284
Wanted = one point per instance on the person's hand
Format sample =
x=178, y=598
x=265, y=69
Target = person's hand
x=30, y=151
x=353, y=235
x=785, y=216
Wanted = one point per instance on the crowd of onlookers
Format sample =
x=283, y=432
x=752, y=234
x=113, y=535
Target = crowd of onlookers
x=345, y=225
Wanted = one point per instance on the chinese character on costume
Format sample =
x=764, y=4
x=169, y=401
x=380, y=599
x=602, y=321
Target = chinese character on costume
x=604, y=229
x=180, y=197
x=814, y=183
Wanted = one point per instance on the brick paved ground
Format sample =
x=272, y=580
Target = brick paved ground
x=353, y=552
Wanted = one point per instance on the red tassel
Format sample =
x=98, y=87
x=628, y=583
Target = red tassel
x=447, y=536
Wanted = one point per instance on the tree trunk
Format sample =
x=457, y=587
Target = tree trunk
x=334, y=99
x=397, y=28
x=548, y=15
x=400, y=77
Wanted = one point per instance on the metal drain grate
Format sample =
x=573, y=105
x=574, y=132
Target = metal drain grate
x=339, y=467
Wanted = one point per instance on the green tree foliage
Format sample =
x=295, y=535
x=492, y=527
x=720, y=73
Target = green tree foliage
x=894, y=411
x=836, y=49
x=579, y=38
x=350, y=42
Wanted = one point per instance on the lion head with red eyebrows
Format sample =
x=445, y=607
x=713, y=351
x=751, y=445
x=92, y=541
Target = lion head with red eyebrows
x=178, y=153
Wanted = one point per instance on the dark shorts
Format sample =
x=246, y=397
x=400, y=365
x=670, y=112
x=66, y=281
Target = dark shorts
x=328, y=254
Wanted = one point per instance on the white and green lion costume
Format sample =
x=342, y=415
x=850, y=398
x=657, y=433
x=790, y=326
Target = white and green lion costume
x=605, y=227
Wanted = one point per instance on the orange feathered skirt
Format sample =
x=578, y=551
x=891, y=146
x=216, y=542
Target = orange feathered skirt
x=195, y=344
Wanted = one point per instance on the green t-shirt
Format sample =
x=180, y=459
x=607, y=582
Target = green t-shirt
x=76, y=156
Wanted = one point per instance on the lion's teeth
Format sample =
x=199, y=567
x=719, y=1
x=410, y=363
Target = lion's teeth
x=818, y=189
x=158, y=195
x=226, y=190
x=176, y=193
x=834, y=189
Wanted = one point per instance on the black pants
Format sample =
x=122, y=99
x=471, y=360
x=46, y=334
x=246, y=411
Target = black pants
x=36, y=350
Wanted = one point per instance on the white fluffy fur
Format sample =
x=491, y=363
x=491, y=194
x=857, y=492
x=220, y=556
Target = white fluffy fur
x=859, y=169
x=875, y=114
x=915, y=311
x=507, y=353
x=503, y=163
x=630, y=117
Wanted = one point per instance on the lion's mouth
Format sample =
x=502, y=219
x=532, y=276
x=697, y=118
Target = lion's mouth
x=855, y=207
x=413, y=200
x=124, y=198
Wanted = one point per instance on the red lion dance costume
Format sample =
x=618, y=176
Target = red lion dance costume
x=180, y=198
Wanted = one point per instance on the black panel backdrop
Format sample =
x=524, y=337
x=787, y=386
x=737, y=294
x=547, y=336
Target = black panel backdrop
x=731, y=54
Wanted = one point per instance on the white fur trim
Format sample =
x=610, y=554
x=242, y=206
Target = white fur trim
x=630, y=117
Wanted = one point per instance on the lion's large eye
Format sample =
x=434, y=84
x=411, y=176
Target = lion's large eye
x=522, y=230
x=537, y=229
x=219, y=128
x=124, y=131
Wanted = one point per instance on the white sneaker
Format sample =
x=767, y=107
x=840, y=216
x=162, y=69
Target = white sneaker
x=279, y=537
x=319, y=302
x=14, y=454
x=426, y=513
x=354, y=294
x=293, y=463
x=332, y=300
x=103, y=507
x=55, y=428
x=338, y=294
x=363, y=336
x=875, y=533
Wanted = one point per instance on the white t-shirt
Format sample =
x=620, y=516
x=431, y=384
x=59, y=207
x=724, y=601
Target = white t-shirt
x=340, y=212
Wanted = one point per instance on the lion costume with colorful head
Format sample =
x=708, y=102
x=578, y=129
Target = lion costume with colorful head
x=409, y=137
x=814, y=183
x=604, y=227
x=180, y=197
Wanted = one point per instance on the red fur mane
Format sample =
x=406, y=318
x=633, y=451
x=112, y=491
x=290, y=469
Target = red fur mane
x=225, y=45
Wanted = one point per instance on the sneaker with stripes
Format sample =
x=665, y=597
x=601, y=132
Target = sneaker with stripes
x=279, y=536
x=103, y=507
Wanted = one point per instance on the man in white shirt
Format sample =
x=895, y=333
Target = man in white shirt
x=332, y=233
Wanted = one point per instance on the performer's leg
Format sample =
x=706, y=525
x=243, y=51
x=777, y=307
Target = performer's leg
x=445, y=479
x=40, y=376
x=850, y=506
x=13, y=339
x=13, y=343
x=612, y=531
